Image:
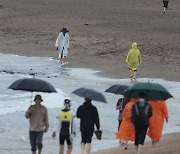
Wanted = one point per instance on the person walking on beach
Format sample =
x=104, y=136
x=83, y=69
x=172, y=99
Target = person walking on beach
x=89, y=117
x=141, y=112
x=133, y=59
x=62, y=46
x=65, y=125
x=126, y=130
x=120, y=106
x=160, y=112
x=165, y=5
x=38, y=118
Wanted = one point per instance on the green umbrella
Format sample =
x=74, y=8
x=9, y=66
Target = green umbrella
x=154, y=91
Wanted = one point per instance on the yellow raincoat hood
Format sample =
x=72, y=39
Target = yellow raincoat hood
x=134, y=45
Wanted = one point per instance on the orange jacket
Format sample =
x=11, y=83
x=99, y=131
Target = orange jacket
x=126, y=130
x=156, y=122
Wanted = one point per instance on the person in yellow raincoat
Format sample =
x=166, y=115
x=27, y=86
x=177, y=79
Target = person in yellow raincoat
x=126, y=131
x=133, y=59
x=160, y=112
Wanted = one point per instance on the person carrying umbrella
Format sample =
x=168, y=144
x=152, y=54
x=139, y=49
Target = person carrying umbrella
x=89, y=117
x=121, y=103
x=133, y=59
x=160, y=112
x=126, y=130
x=38, y=119
x=66, y=126
x=140, y=114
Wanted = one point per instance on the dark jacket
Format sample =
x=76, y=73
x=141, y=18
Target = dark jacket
x=89, y=117
x=141, y=113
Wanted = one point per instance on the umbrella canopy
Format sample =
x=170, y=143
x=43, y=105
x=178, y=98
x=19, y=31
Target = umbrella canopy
x=32, y=85
x=91, y=94
x=154, y=91
x=117, y=89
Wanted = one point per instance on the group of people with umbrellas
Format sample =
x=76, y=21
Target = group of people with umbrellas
x=143, y=109
x=144, y=113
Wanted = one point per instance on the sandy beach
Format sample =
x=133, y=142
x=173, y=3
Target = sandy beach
x=168, y=145
x=101, y=34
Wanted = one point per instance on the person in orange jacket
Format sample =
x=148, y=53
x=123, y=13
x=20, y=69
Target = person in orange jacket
x=126, y=131
x=160, y=112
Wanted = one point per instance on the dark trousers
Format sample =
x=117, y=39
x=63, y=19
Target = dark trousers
x=140, y=134
x=36, y=139
x=119, y=123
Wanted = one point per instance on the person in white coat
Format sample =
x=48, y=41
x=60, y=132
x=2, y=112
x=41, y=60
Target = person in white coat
x=65, y=125
x=62, y=45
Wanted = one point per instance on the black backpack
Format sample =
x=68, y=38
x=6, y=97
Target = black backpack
x=142, y=114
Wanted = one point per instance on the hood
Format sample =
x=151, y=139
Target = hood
x=134, y=45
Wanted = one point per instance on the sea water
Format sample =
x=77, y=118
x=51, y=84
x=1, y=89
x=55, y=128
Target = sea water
x=13, y=104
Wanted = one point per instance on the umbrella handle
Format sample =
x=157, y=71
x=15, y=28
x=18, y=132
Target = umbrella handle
x=31, y=98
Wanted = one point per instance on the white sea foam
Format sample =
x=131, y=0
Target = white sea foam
x=13, y=104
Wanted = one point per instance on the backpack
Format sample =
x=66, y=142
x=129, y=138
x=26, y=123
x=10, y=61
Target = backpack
x=142, y=114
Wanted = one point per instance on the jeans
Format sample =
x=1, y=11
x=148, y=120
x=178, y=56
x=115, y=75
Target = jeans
x=36, y=139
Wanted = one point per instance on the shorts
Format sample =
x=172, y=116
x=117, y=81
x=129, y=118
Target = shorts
x=133, y=70
x=63, y=138
x=86, y=137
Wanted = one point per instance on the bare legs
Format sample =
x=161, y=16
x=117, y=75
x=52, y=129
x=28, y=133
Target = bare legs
x=63, y=61
x=82, y=148
x=85, y=147
x=155, y=143
x=133, y=73
x=126, y=145
x=88, y=148
x=138, y=148
x=69, y=149
x=39, y=151
x=164, y=9
x=61, y=149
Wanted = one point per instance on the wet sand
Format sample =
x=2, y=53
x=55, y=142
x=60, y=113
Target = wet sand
x=101, y=33
x=169, y=144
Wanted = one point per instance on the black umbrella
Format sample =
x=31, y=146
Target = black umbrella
x=91, y=94
x=117, y=89
x=32, y=85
